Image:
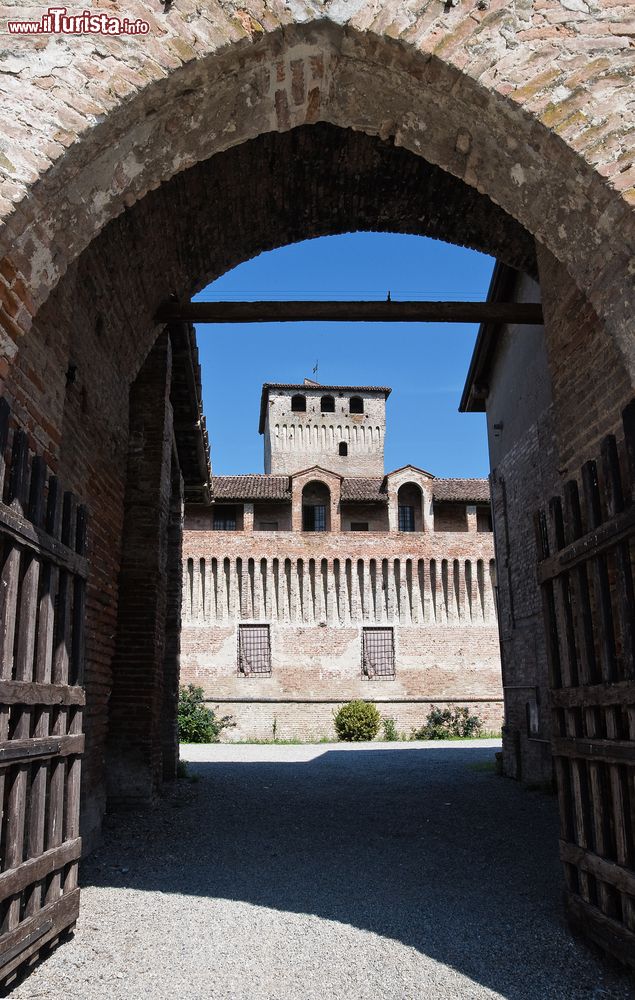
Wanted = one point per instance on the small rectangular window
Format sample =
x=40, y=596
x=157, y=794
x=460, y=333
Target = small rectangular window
x=224, y=519
x=267, y=526
x=483, y=519
x=254, y=650
x=378, y=654
x=314, y=518
x=359, y=525
x=406, y=518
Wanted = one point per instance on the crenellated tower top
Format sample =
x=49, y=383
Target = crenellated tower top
x=338, y=427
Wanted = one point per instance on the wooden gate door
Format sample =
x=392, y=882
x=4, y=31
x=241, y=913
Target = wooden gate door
x=586, y=543
x=42, y=579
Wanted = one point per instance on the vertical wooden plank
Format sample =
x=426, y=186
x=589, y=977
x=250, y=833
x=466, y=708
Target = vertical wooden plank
x=73, y=780
x=43, y=666
x=599, y=575
x=79, y=604
x=623, y=571
x=61, y=663
x=548, y=606
x=578, y=775
x=16, y=799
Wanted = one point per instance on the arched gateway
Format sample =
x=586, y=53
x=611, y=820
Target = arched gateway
x=136, y=168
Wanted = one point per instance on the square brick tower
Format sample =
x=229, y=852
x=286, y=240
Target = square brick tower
x=338, y=427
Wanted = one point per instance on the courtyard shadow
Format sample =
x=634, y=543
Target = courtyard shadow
x=427, y=847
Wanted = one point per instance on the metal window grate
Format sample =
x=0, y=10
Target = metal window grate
x=314, y=517
x=254, y=650
x=406, y=518
x=378, y=653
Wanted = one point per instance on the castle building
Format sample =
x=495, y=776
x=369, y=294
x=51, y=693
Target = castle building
x=326, y=579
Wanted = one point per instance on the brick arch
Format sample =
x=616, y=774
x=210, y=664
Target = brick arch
x=505, y=100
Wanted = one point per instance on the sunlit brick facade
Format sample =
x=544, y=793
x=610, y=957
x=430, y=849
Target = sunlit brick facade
x=325, y=579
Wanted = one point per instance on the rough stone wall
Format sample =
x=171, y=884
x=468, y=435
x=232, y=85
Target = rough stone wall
x=317, y=592
x=295, y=441
x=527, y=102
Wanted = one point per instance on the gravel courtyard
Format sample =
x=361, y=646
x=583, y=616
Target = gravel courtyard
x=396, y=871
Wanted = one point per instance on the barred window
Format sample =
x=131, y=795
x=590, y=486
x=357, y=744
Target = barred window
x=378, y=653
x=314, y=518
x=254, y=650
x=224, y=519
x=406, y=518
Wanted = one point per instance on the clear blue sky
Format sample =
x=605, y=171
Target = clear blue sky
x=424, y=364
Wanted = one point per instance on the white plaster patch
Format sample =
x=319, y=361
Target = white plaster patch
x=518, y=175
x=42, y=269
x=132, y=166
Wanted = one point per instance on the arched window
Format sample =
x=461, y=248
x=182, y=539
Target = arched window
x=409, y=502
x=298, y=404
x=356, y=405
x=343, y=448
x=327, y=404
x=316, y=506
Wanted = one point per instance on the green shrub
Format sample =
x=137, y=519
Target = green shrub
x=197, y=723
x=446, y=723
x=357, y=720
x=390, y=730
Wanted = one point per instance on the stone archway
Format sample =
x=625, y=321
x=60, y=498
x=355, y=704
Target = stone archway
x=495, y=97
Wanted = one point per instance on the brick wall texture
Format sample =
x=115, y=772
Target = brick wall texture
x=136, y=167
x=317, y=593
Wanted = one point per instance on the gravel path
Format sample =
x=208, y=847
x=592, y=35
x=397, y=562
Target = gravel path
x=383, y=872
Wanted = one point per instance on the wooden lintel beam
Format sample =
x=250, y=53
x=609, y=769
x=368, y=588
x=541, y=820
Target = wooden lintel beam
x=525, y=313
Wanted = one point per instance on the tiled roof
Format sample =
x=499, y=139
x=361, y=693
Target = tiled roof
x=251, y=487
x=354, y=490
x=467, y=490
x=371, y=490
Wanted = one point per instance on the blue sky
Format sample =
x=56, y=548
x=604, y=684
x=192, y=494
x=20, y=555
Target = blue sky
x=425, y=364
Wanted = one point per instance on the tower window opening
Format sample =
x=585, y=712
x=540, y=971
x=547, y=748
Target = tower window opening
x=343, y=448
x=356, y=405
x=327, y=404
x=298, y=404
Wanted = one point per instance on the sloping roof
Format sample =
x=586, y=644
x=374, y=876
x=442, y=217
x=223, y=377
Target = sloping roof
x=466, y=490
x=364, y=490
x=416, y=468
x=358, y=489
x=313, y=388
x=251, y=487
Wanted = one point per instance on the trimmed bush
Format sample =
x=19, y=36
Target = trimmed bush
x=197, y=723
x=448, y=723
x=390, y=730
x=357, y=720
